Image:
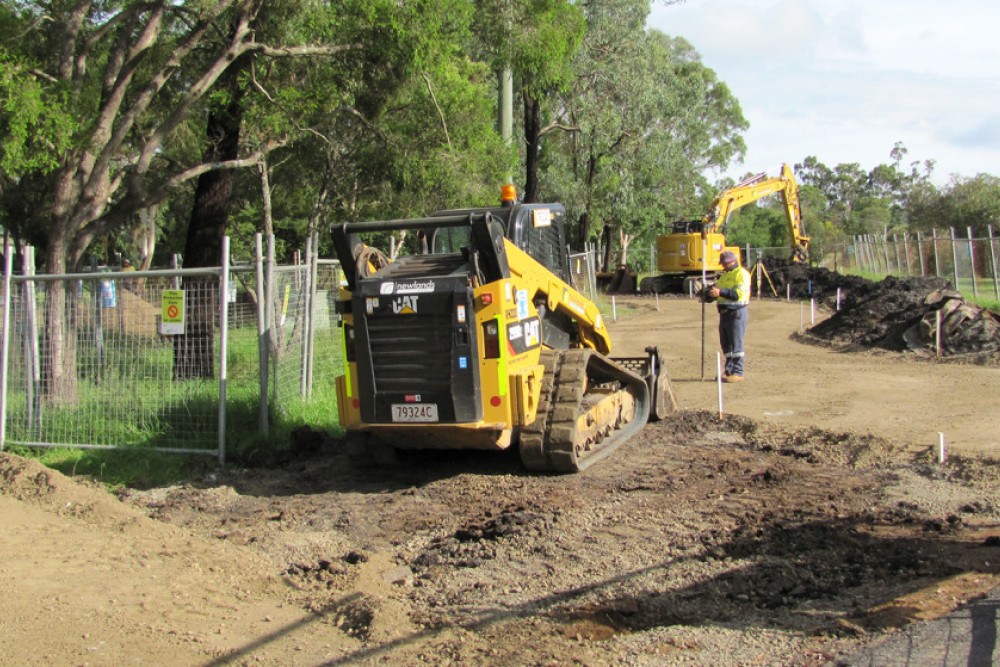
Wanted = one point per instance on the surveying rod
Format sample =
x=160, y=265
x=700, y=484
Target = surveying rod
x=704, y=284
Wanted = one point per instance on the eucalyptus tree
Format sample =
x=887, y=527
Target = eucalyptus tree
x=537, y=40
x=647, y=118
x=134, y=75
x=967, y=201
x=878, y=200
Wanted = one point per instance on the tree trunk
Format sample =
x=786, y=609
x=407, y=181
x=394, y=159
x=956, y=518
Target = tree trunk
x=625, y=240
x=532, y=142
x=58, y=368
x=582, y=229
x=194, y=351
x=589, y=184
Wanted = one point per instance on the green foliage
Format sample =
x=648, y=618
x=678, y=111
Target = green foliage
x=760, y=226
x=966, y=202
x=647, y=119
x=35, y=125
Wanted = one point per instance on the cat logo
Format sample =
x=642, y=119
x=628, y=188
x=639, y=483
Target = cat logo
x=405, y=305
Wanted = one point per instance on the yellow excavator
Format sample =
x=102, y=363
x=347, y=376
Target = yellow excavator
x=679, y=254
x=478, y=341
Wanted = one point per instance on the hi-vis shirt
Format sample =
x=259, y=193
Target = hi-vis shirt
x=734, y=288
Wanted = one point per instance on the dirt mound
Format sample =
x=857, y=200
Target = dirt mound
x=893, y=314
x=785, y=279
x=29, y=481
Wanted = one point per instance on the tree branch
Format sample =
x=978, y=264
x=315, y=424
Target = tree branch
x=74, y=22
x=444, y=123
x=556, y=125
x=118, y=213
x=297, y=51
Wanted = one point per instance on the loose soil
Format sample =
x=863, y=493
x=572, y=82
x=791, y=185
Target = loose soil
x=805, y=521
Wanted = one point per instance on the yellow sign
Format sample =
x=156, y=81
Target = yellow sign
x=172, y=312
x=284, y=305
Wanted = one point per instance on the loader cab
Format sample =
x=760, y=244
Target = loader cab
x=537, y=229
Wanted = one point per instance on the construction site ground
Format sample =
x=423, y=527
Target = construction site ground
x=806, y=525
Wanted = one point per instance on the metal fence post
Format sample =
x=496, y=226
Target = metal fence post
x=895, y=247
x=920, y=254
x=954, y=259
x=993, y=264
x=175, y=263
x=272, y=334
x=304, y=294
x=312, y=314
x=263, y=359
x=223, y=346
x=906, y=253
x=972, y=263
x=937, y=260
x=5, y=342
x=32, y=367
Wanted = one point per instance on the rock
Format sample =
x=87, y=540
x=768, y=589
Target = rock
x=400, y=576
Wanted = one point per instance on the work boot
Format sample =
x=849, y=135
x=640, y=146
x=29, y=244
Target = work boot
x=732, y=378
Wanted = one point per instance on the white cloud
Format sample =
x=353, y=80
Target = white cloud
x=846, y=80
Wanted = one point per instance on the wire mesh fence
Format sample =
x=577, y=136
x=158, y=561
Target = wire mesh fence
x=582, y=273
x=87, y=364
x=305, y=344
x=171, y=360
x=969, y=263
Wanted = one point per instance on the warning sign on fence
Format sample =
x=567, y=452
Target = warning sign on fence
x=172, y=312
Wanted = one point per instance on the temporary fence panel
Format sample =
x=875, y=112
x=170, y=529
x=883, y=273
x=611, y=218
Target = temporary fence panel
x=105, y=360
x=157, y=359
x=305, y=342
x=969, y=263
x=581, y=266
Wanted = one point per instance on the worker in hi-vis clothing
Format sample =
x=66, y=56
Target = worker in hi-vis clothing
x=732, y=294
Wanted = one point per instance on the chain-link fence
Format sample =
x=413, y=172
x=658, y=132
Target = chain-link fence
x=970, y=263
x=111, y=359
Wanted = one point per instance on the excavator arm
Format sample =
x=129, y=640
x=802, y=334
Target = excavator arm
x=758, y=187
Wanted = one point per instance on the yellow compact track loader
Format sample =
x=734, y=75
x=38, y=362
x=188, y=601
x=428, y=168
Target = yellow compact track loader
x=480, y=342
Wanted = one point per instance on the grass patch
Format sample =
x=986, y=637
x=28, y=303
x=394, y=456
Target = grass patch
x=117, y=469
x=126, y=397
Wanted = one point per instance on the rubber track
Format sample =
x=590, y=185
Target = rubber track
x=551, y=440
x=533, y=436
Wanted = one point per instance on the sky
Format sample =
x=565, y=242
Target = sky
x=844, y=80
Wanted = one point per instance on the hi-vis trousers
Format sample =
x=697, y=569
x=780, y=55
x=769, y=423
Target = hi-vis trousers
x=732, y=327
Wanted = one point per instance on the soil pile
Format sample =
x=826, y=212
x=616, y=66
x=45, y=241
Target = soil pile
x=782, y=278
x=893, y=314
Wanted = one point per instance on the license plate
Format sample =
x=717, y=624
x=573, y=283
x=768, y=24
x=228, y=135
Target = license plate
x=414, y=412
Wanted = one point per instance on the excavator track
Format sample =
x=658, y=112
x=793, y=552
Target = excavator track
x=588, y=406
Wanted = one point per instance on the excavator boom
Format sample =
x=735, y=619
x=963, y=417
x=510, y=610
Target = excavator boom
x=693, y=249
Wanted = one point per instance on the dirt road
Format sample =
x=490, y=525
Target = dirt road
x=908, y=399
x=804, y=525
